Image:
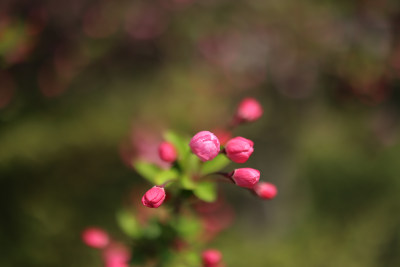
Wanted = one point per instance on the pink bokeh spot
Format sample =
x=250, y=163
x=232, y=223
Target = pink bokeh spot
x=95, y=237
x=265, y=190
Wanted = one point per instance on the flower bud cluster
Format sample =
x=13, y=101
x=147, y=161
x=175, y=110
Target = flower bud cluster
x=207, y=146
x=190, y=173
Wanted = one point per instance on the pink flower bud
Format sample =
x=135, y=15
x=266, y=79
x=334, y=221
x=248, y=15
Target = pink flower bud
x=116, y=255
x=154, y=197
x=205, y=145
x=239, y=149
x=249, y=110
x=246, y=177
x=95, y=237
x=211, y=258
x=167, y=152
x=265, y=190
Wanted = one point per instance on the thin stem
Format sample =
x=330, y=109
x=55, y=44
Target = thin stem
x=167, y=182
x=226, y=177
x=235, y=122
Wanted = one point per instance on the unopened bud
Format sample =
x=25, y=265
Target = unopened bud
x=167, y=152
x=116, y=255
x=246, y=177
x=205, y=145
x=95, y=237
x=211, y=258
x=239, y=149
x=249, y=110
x=265, y=190
x=154, y=197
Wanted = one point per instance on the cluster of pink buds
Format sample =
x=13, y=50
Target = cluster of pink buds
x=206, y=146
x=184, y=173
x=190, y=162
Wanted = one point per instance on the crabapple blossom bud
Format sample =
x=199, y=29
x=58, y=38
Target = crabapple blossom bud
x=116, y=255
x=154, y=197
x=167, y=152
x=249, y=110
x=239, y=149
x=95, y=237
x=246, y=177
x=205, y=145
x=211, y=258
x=265, y=190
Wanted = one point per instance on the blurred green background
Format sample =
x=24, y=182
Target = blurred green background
x=79, y=77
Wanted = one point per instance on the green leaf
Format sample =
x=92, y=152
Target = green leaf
x=128, y=223
x=147, y=170
x=153, y=230
x=191, y=163
x=192, y=258
x=165, y=176
x=187, y=227
x=218, y=163
x=206, y=191
x=187, y=182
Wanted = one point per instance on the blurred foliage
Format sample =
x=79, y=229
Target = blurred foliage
x=76, y=75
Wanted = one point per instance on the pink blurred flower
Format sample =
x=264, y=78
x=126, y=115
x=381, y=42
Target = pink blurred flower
x=249, y=110
x=95, y=237
x=116, y=255
x=167, y=152
x=265, y=190
x=211, y=258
